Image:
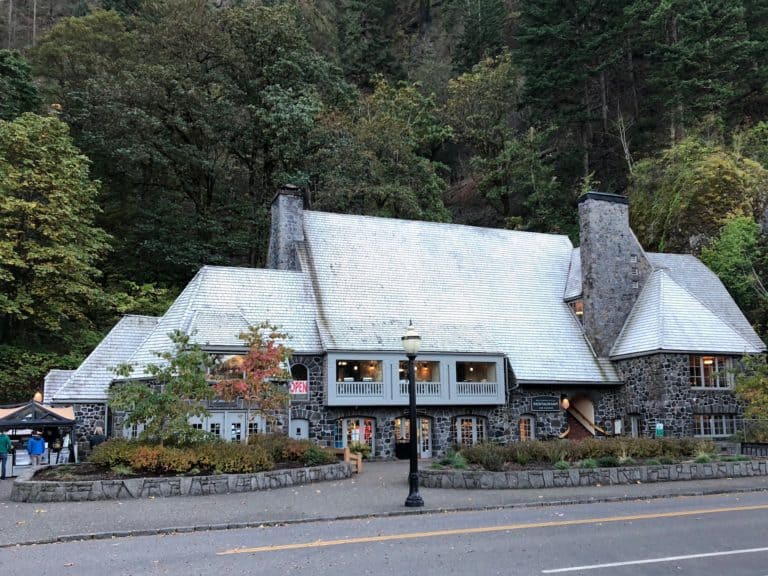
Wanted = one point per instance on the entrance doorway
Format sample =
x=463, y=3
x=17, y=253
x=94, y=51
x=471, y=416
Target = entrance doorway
x=424, y=437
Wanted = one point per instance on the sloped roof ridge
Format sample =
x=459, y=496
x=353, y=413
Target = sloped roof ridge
x=431, y=223
x=86, y=366
x=724, y=319
x=634, y=312
x=248, y=269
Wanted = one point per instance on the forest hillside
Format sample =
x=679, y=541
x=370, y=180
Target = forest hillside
x=141, y=139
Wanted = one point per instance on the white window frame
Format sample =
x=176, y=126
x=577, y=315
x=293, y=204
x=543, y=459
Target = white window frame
x=530, y=421
x=479, y=430
x=706, y=425
x=722, y=376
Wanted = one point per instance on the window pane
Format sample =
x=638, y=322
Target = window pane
x=466, y=427
x=695, y=370
x=425, y=371
x=359, y=371
x=526, y=428
x=476, y=371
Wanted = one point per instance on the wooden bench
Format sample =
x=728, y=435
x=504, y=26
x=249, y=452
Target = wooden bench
x=347, y=456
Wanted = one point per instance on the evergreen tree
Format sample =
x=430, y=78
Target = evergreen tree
x=17, y=92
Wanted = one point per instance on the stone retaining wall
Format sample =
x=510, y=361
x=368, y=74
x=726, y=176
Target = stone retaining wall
x=26, y=490
x=590, y=477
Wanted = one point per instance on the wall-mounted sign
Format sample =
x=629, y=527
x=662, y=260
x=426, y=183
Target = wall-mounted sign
x=545, y=404
x=299, y=387
x=659, y=430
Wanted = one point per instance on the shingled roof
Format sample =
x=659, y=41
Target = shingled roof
x=220, y=303
x=90, y=382
x=467, y=289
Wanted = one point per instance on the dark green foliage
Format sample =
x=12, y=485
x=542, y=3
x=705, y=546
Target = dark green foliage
x=607, y=462
x=365, y=40
x=17, y=92
x=181, y=392
x=489, y=456
x=483, y=26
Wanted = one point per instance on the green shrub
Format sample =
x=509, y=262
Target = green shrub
x=490, y=456
x=666, y=460
x=653, y=462
x=588, y=463
x=273, y=444
x=231, y=458
x=316, y=456
x=360, y=448
x=703, y=459
x=175, y=460
x=734, y=458
x=122, y=470
x=562, y=465
x=453, y=459
x=627, y=461
x=607, y=462
x=114, y=452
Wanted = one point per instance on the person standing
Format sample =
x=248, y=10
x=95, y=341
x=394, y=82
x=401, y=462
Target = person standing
x=35, y=448
x=5, y=448
x=97, y=437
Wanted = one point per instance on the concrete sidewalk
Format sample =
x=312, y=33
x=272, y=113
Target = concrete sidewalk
x=381, y=490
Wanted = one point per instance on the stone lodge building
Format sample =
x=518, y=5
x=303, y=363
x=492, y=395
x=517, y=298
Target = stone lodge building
x=523, y=336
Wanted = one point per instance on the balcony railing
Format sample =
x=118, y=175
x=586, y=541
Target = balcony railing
x=360, y=389
x=476, y=389
x=423, y=389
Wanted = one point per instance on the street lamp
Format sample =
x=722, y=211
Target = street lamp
x=411, y=343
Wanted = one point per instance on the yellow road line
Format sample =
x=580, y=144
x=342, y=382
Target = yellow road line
x=487, y=529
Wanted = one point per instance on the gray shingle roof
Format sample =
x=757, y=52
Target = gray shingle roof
x=220, y=303
x=466, y=289
x=573, y=284
x=691, y=273
x=667, y=317
x=90, y=382
x=53, y=381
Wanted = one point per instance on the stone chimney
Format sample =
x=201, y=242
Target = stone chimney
x=613, y=267
x=286, y=229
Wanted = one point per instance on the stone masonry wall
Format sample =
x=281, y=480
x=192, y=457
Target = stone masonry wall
x=658, y=390
x=613, y=267
x=25, y=490
x=589, y=477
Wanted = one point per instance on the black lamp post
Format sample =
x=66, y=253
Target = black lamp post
x=411, y=343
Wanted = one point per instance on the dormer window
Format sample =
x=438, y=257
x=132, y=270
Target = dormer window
x=577, y=307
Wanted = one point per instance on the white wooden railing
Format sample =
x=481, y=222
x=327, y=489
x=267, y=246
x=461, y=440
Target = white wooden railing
x=476, y=389
x=423, y=389
x=360, y=389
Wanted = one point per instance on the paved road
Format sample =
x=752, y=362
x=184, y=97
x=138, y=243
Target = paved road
x=380, y=490
x=683, y=536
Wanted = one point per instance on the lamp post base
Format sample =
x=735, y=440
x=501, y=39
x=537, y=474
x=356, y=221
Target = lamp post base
x=414, y=499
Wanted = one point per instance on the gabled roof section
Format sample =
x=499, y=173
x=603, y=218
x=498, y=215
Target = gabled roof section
x=54, y=380
x=34, y=414
x=573, y=284
x=90, y=382
x=667, y=317
x=220, y=303
x=467, y=290
x=691, y=273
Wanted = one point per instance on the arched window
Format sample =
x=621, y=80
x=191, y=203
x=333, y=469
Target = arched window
x=299, y=382
x=526, y=427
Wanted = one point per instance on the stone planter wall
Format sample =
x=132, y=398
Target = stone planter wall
x=26, y=490
x=585, y=477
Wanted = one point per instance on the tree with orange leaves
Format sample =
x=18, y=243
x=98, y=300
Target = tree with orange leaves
x=256, y=376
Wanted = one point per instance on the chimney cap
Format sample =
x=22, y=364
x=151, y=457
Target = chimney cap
x=604, y=197
x=288, y=190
